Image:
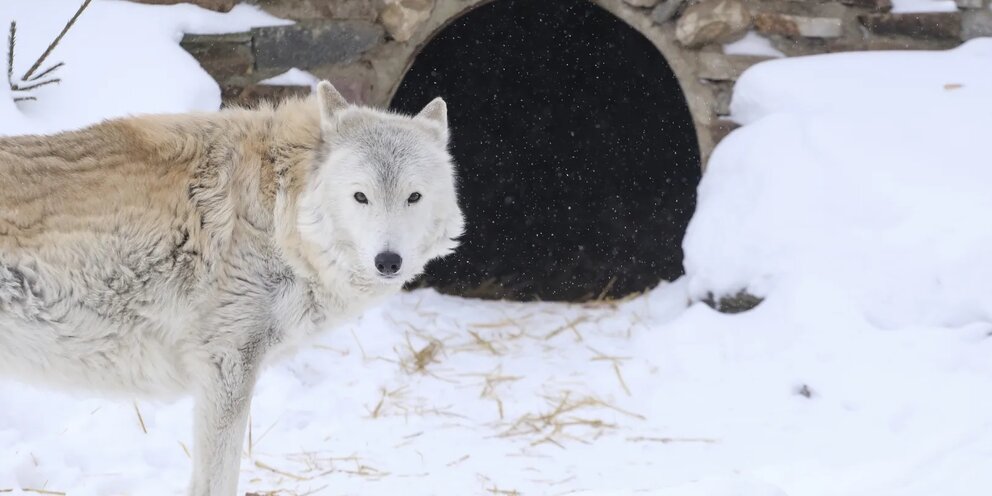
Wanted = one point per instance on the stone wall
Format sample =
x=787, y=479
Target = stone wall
x=366, y=46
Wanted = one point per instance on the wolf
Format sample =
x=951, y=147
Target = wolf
x=179, y=254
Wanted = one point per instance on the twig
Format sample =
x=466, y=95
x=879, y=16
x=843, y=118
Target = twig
x=606, y=290
x=272, y=469
x=141, y=420
x=46, y=71
x=56, y=41
x=35, y=85
x=623, y=383
x=11, y=39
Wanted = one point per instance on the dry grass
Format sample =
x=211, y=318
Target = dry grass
x=615, y=360
x=426, y=355
x=572, y=412
x=569, y=325
x=141, y=420
x=310, y=467
x=570, y=418
x=502, y=492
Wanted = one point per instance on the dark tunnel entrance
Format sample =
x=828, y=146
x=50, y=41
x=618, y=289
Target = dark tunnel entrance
x=576, y=152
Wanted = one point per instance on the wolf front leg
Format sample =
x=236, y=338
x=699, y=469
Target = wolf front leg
x=222, y=402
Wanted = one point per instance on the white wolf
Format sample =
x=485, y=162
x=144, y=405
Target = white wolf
x=179, y=254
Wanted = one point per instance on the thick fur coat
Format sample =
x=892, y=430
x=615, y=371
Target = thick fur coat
x=177, y=254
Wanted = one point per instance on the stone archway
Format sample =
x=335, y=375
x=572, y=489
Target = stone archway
x=394, y=60
x=578, y=152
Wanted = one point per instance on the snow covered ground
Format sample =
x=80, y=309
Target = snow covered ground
x=858, y=207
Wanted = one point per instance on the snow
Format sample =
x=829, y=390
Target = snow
x=904, y=6
x=292, y=77
x=752, y=44
x=853, y=156
x=120, y=58
x=854, y=200
x=867, y=82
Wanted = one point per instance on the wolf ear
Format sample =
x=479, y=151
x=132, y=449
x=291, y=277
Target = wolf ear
x=329, y=100
x=437, y=113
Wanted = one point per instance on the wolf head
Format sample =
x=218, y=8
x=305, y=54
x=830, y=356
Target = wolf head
x=381, y=198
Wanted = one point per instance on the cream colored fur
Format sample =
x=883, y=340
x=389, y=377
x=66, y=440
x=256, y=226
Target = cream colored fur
x=177, y=254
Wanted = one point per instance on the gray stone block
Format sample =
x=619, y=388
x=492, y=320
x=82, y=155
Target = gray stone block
x=313, y=43
x=221, y=55
x=875, y=5
x=665, y=11
x=720, y=67
x=976, y=24
x=798, y=26
x=933, y=25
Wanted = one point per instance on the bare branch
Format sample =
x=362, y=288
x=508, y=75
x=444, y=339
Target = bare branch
x=11, y=39
x=36, y=85
x=47, y=71
x=56, y=41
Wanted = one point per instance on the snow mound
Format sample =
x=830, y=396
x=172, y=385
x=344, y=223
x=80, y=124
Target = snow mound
x=120, y=58
x=867, y=82
x=871, y=180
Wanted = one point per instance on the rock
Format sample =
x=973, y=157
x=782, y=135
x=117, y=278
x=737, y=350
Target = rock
x=798, y=26
x=221, y=55
x=976, y=24
x=969, y=4
x=723, y=91
x=875, y=5
x=642, y=3
x=934, y=25
x=313, y=43
x=713, y=21
x=720, y=128
x=255, y=93
x=353, y=87
x=215, y=5
x=665, y=11
x=740, y=302
x=884, y=43
x=719, y=67
x=402, y=18
x=300, y=10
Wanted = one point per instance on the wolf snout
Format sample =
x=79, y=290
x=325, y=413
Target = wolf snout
x=388, y=263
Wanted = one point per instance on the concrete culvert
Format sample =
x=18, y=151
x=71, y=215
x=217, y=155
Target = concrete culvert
x=577, y=154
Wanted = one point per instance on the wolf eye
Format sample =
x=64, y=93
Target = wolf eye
x=361, y=198
x=414, y=198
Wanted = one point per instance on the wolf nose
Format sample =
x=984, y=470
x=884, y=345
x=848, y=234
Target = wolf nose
x=388, y=263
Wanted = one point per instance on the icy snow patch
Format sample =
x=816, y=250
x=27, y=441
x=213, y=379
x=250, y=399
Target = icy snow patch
x=292, y=77
x=906, y=6
x=752, y=44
